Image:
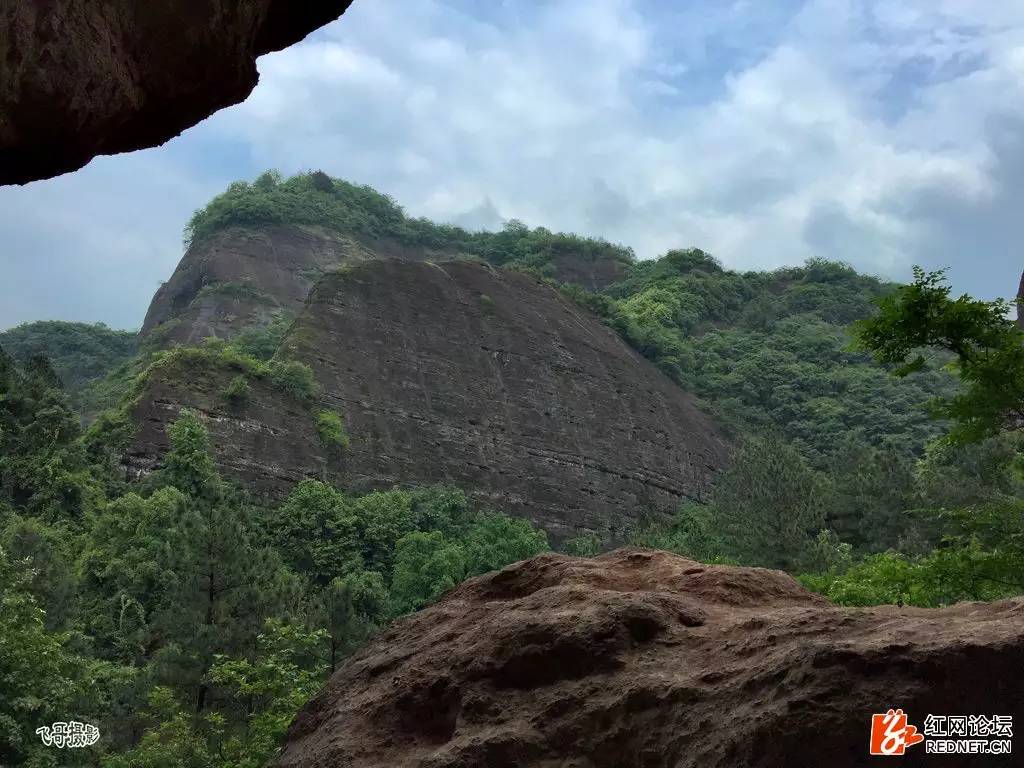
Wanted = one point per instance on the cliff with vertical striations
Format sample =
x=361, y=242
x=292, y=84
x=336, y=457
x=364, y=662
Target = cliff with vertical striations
x=464, y=374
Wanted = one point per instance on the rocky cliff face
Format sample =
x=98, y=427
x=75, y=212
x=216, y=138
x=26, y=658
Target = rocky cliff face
x=464, y=374
x=238, y=279
x=647, y=660
x=82, y=78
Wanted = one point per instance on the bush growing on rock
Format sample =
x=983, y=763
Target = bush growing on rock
x=331, y=429
x=237, y=392
x=293, y=378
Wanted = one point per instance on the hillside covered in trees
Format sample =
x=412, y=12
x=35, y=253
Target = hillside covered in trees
x=336, y=205
x=190, y=618
x=82, y=355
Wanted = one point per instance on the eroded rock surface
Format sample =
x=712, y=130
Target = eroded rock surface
x=648, y=660
x=463, y=374
x=241, y=278
x=82, y=78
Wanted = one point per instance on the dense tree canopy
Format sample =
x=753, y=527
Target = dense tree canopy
x=772, y=351
x=910, y=520
x=186, y=621
x=80, y=354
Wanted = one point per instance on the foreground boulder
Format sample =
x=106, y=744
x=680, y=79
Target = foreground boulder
x=641, y=658
x=82, y=78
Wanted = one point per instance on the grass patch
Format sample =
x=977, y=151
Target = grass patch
x=233, y=290
x=289, y=377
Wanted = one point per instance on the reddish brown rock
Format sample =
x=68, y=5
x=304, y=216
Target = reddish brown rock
x=240, y=278
x=461, y=374
x=642, y=659
x=81, y=78
x=278, y=266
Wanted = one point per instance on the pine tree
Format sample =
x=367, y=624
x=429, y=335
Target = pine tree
x=769, y=504
x=43, y=469
x=871, y=494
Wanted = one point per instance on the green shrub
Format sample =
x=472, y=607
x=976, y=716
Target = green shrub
x=158, y=337
x=212, y=354
x=237, y=392
x=494, y=540
x=263, y=343
x=293, y=378
x=233, y=290
x=587, y=545
x=331, y=429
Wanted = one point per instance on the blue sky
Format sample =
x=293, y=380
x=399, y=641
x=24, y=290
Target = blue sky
x=885, y=133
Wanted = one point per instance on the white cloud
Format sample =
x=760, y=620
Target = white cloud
x=877, y=131
x=575, y=102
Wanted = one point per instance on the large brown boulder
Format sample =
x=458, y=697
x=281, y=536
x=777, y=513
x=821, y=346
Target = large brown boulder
x=641, y=658
x=82, y=78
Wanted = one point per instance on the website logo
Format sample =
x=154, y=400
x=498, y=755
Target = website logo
x=891, y=734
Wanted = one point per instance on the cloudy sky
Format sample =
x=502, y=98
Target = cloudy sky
x=884, y=133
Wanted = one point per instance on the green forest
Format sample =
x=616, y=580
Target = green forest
x=187, y=620
x=875, y=458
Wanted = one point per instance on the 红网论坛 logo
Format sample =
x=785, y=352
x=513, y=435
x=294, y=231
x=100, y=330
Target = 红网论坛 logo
x=891, y=734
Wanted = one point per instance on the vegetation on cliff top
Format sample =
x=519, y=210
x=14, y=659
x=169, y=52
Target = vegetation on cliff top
x=316, y=199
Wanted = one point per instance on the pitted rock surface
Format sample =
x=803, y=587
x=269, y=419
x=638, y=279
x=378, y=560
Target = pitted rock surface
x=641, y=659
